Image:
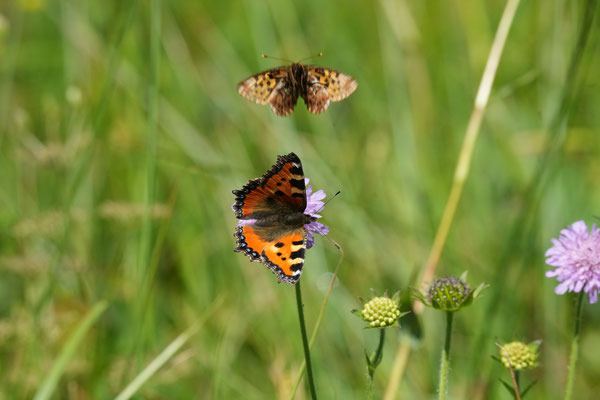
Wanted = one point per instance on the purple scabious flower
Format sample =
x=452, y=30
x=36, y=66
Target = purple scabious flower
x=313, y=206
x=576, y=256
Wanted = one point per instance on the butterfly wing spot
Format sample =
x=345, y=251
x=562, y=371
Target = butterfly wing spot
x=283, y=98
x=259, y=88
x=338, y=84
x=254, y=196
x=255, y=90
x=286, y=261
x=249, y=242
x=293, y=191
x=316, y=98
x=284, y=256
x=249, y=199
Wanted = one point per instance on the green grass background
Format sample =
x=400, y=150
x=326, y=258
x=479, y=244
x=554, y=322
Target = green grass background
x=79, y=158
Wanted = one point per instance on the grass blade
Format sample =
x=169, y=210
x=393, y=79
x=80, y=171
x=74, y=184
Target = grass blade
x=49, y=384
x=158, y=362
x=166, y=354
x=462, y=168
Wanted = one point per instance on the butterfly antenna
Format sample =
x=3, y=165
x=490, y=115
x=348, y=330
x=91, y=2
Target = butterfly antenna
x=276, y=58
x=315, y=56
x=327, y=202
x=337, y=246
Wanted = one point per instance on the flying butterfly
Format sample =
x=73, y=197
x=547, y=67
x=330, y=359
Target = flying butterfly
x=280, y=87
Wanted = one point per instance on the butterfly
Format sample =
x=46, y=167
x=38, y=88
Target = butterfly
x=271, y=213
x=280, y=87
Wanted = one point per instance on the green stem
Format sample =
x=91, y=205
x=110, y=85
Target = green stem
x=445, y=363
x=309, y=373
x=574, y=346
x=319, y=317
x=375, y=362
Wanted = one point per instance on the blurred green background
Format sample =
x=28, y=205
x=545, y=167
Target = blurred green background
x=80, y=159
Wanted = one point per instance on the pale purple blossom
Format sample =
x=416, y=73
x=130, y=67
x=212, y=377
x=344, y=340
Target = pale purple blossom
x=576, y=256
x=313, y=206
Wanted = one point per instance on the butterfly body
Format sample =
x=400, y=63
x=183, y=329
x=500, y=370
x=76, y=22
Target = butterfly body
x=280, y=87
x=280, y=221
x=271, y=213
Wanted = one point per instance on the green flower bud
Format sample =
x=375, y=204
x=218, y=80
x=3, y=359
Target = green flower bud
x=522, y=356
x=448, y=294
x=380, y=312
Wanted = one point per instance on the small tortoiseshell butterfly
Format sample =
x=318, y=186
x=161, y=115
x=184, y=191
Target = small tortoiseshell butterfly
x=280, y=87
x=271, y=210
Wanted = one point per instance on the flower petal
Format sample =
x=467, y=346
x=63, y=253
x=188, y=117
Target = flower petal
x=561, y=289
x=310, y=240
x=313, y=206
x=318, y=195
x=317, y=227
x=593, y=296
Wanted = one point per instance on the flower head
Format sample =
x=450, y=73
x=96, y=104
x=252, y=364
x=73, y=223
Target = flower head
x=381, y=312
x=521, y=355
x=314, y=204
x=449, y=294
x=576, y=256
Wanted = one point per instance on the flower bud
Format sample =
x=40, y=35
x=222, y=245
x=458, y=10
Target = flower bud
x=448, y=294
x=381, y=312
x=521, y=356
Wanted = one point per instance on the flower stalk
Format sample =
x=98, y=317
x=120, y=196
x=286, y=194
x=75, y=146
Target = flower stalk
x=319, y=318
x=379, y=313
x=309, y=372
x=373, y=362
x=445, y=361
x=574, y=346
x=448, y=295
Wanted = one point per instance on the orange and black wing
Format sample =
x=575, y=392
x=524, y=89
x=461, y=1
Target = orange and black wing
x=272, y=87
x=283, y=255
x=283, y=183
x=324, y=85
x=279, y=190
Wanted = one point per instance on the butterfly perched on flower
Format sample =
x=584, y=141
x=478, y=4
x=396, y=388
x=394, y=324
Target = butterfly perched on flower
x=280, y=87
x=277, y=215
